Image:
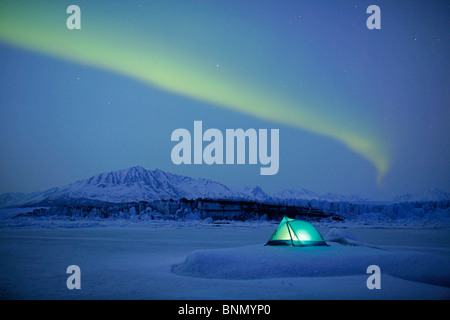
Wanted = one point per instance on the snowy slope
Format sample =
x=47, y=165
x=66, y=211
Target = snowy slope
x=430, y=195
x=139, y=184
x=19, y=199
x=128, y=185
x=252, y=193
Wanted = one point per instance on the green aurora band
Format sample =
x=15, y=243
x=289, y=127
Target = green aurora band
x=41, y=27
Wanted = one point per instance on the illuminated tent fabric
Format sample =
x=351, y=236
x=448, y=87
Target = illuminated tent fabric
x=299, y=233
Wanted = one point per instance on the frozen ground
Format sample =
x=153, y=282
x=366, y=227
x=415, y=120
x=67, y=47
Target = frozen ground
x=199, y=260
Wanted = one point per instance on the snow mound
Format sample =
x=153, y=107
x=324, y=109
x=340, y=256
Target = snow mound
x=262, y=262
x=342, y=237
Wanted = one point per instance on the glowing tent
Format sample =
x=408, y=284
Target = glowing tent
x=297, y=233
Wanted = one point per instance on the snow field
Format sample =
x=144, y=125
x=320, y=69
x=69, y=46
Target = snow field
x=198, y=260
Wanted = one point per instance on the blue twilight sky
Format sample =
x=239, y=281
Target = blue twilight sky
x=64, y=119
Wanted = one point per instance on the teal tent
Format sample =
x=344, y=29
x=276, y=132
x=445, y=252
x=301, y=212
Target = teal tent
x=291, y=232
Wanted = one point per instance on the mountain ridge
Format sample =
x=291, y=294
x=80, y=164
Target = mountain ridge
x=139, y=184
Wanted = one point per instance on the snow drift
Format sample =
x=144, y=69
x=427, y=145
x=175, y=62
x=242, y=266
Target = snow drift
x=262, y=262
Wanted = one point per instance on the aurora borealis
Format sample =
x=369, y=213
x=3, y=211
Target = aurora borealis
x=241, y=58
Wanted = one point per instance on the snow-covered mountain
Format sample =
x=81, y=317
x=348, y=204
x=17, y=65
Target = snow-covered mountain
x=296, y=194
x=430, y=195
x=133, y=184
x=303, y=194
x=138, y=184
x=251, y=193
x=333, y=197
x=20, y=199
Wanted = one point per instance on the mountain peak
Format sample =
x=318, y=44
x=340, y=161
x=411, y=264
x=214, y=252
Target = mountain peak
x=130, y=185
x=137, y=168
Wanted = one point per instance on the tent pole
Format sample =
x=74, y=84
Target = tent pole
x=290, y=235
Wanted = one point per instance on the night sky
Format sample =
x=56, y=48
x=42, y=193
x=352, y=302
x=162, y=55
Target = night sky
x=359, y=111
